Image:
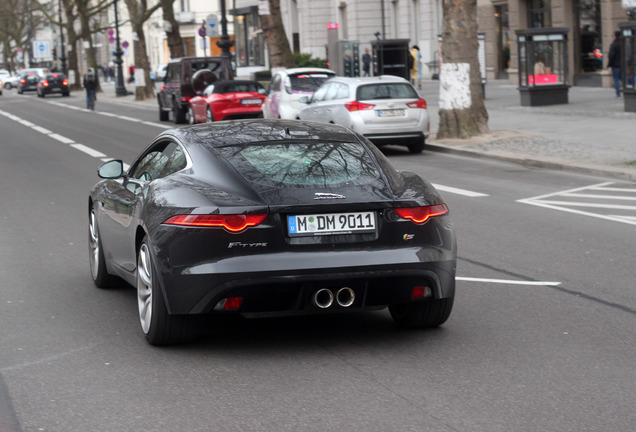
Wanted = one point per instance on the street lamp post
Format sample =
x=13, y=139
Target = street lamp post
x=225, y=43
x=120, y=89
x=63, y=57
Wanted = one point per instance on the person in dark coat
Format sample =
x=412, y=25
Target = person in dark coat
x=614, y=62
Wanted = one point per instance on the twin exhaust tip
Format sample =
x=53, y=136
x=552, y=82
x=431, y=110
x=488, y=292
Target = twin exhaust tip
x=324, y=298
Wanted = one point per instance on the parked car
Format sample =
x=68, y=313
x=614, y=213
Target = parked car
x=265, y=218
x=185, y=77
x=28, y=82
x=227, y=100
x=11, y=81
x=385, y=109
x=287, y=86
x=53, y=83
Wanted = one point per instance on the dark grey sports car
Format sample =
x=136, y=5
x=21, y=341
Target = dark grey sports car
x=270, y=217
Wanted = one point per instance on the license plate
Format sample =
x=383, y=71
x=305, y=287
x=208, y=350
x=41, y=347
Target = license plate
x=334, y=223
x=391, y=113
x=250, y=101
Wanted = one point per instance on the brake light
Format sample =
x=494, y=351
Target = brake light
x=420, y=215
x=65, y=83
x=358, y=106
x=232, y=223
x=45, y=83
x=420, y=103
x=185, y=98
x=22, y=81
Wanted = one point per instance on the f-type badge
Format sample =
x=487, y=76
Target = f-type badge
x=322, y=195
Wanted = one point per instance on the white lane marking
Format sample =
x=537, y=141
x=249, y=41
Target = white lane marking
x=61, y=138
x=107, y=114
x=588, y=205
x=457, y=191
x=564, y=206
x=594, y=196
x=614, y=189
x=42, y=130
x=88, y=150
x=507, y=281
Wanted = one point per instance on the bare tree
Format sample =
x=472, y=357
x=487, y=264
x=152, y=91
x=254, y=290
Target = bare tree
x=175, y=43
x=280, y=54
x=13, y=29
x=139, y=14
x=462, y=110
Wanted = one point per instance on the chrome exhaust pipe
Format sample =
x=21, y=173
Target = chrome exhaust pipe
x=323, y=298
x=345, y=297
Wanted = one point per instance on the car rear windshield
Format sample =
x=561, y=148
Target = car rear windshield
x=303, y=164
x=307, y=82
x=386, y=91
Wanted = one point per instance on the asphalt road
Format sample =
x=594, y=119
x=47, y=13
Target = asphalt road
x=542, y=336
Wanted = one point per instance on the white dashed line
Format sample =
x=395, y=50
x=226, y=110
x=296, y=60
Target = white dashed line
x=457, y=191
x=88, y=150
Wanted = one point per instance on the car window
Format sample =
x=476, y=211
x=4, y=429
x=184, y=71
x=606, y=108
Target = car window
x=304, y=164
x=172, y=73
x=305, y=82
x=386, y=91
x=321, y=93
x=343, y=91
x=163, y=159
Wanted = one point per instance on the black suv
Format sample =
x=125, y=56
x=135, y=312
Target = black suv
x=185, y=77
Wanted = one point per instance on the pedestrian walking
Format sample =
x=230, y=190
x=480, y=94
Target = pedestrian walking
x=614, y=62
x=366, y=63
x=90, y=85
x=415, y=66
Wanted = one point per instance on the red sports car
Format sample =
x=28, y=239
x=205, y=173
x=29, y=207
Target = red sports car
x=226, y=100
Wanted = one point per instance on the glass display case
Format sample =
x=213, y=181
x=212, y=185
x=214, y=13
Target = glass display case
x=628, y=63
x=543, y=66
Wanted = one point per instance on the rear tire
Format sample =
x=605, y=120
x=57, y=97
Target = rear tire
x=209, y=116
x=416, y=146
x=190, y=115
x=426, y=314
x=158, y=326
x=177, y=113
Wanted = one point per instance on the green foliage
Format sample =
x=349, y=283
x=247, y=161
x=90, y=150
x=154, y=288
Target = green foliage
x=306, y=60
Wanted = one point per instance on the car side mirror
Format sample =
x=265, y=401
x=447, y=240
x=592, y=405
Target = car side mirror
x=111, y=170
x=304, y=100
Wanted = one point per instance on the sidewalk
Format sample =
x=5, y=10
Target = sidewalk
x=591, y=134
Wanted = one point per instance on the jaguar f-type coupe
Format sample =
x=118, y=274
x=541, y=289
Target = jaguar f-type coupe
x=266, y=218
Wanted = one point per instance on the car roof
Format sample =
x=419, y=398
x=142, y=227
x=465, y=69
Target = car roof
x=235, y=132
x=370, y=80
x=293, y=71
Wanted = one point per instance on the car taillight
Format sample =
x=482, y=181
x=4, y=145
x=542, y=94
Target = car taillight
x=358, y=106
x=65, y=83
x=233, y=223
x=22, y=81
x=45, y=83
x=185, y=98
x=420, y=215
x=420, y=103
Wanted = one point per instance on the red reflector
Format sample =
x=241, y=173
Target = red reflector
x=358, y=106
x=421, y=214
x=233, y=223
x=232, y=303
x=420, y=292
x=420, y=103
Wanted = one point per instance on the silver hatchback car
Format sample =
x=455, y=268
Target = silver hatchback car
x=385, y=109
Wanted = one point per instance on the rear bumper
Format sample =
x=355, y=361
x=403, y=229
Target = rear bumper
x=285, y=283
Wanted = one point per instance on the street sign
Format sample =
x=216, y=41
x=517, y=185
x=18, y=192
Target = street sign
x=42, y=49
x=202, y=31
x=211, y=25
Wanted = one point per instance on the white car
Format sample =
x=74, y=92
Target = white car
x=385, y=109
x=289, y=85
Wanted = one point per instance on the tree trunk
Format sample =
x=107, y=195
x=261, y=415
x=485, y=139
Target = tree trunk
x=141, y=61
x=175, y=43
x=462, y=110
x=280, y=54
